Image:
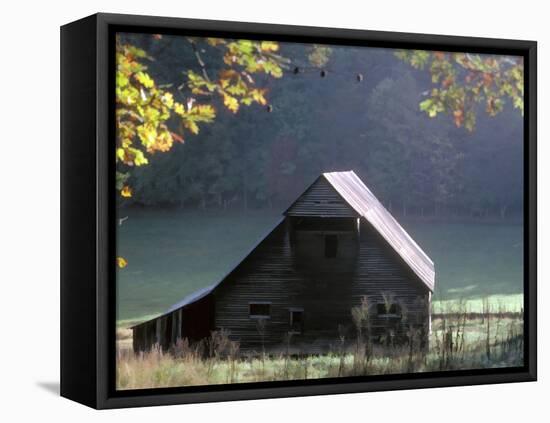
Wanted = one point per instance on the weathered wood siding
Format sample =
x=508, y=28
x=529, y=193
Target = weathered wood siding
x=295, y=274
x=194, y=322
x=381, y=274
x=321, y=199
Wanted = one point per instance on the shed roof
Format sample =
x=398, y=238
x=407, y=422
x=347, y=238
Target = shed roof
x=358, y=196
x=203, y=292
x=191, y=298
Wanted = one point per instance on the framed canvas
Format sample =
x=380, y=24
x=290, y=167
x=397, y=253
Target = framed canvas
x=258, y=211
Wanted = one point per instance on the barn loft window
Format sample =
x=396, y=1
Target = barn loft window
x=296, y=320
x=259, y=310
x=388, y=310
x=331, y=246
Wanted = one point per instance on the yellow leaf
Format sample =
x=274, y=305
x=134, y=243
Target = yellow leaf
x=147, y=134
x=145, y=80
x=192, y=126
x=121, y=262
x=231, y=103
x=269, y=46
x=168, y=99
x=277, y=72
x=136, y=157
x=205, y=111
x=120, y=154
x=215, y=41
x=224, y=83
x=126, y=191
x=163, y=142
x=178, y=108
x=258, y=96
x=121, y=79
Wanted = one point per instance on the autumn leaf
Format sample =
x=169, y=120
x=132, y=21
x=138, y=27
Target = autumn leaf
x=177, y=137
x=224, y=83
x=168, y=99
x=147, y=134
x=120, y=154
x=164, y=141
x=192, y=126
x=258, y=96
x=146, y=111
x=145, y=80
x=121, y=79
x=269, y=46
x=462, y=80
x=458, y=117
x=121, y=262
x=231, y=103
x=139, y=157
x=179, y=109
x=126, y=191
x=215, y=41
x=206, y=112
x=487, y=79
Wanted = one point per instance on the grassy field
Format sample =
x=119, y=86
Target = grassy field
x=459, y=340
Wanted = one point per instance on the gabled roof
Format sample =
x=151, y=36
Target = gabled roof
x=358, y=196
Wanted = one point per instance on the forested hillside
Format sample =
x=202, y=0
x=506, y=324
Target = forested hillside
x=315, y=110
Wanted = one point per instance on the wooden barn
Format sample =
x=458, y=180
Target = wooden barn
x=334, y=245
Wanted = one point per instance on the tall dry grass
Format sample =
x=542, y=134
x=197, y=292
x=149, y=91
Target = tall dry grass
x=459, y=340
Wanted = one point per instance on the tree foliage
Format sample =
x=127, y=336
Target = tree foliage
x=373, y=125
x=413, y=160
x=461, y=81
x=150, y=117
x=319, y=55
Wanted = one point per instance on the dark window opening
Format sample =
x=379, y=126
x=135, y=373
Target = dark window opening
x=383, y=309
x=259, y=310
x=296, y=321
x=331, y=246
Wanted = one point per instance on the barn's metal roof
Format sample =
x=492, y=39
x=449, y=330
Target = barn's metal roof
x=358, y=196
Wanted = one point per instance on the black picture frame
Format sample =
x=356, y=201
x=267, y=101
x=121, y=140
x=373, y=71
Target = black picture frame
x=88, y=288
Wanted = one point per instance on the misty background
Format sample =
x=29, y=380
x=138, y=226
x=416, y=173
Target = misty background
x=263, y=158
